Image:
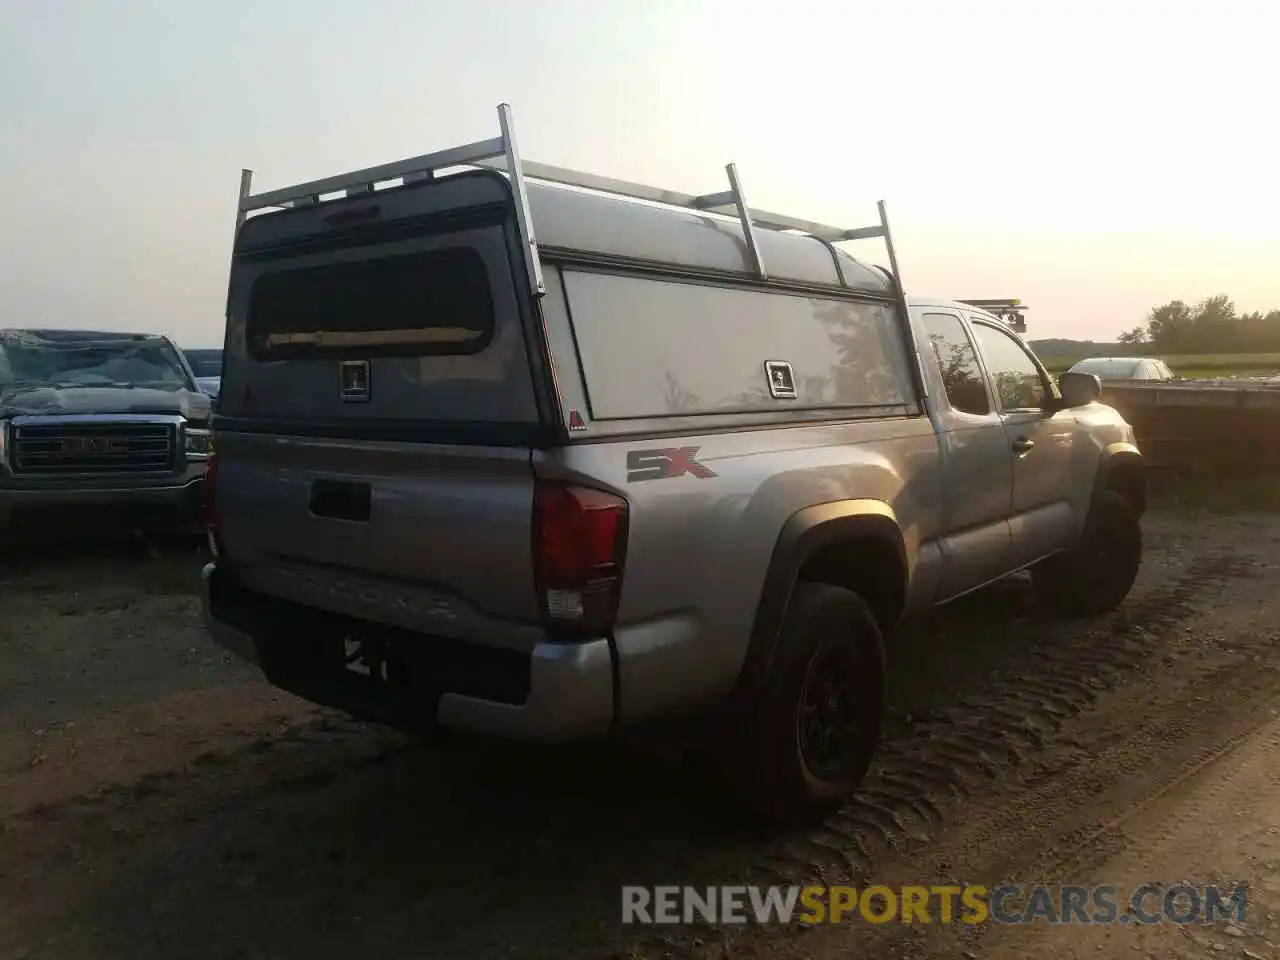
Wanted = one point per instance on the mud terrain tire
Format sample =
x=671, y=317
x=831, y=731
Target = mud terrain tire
x=810, y=737
x=1096, y=576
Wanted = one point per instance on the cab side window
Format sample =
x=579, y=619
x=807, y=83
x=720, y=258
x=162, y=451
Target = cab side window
x=958, y=361
x=1019, y=384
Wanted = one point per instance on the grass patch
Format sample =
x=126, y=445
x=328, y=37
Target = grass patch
x=1196, y=364
x=1213, y=373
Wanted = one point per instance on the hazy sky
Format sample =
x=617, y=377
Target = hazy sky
x=1095, y=160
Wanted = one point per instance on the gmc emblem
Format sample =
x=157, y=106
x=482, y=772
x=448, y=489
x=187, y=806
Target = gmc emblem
x=92, y=445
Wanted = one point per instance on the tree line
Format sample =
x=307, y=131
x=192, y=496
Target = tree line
x=1211, y=326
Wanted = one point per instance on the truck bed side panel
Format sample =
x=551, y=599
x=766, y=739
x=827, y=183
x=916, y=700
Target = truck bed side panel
x=700, y=543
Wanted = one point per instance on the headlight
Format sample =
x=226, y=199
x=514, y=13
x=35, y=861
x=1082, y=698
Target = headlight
x=197, y=442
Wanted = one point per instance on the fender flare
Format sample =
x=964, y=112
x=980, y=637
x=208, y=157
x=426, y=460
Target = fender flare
x=805, y=532
x=1124, y=457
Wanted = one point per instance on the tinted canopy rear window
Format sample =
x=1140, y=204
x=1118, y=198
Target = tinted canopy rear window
x=437, y=301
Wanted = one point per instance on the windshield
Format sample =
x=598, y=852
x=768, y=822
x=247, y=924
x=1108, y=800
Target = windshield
x=91, y=364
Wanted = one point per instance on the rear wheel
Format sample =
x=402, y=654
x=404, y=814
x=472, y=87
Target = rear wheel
x=812, y=734
x=1097, y=575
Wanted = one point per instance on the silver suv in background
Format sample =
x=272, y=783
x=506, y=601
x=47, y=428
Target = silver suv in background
x=649, y=468
x=1126, y=369
x=206, y=364
x=99, y=429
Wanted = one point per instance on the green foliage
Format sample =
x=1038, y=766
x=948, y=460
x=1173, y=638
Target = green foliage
x=1212, y=325
x=1209, y=339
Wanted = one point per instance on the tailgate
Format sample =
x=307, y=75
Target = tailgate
x=431, y=538
x=379, y=402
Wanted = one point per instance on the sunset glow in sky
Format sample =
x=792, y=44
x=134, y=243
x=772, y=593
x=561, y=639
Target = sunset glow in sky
x=1094, y=160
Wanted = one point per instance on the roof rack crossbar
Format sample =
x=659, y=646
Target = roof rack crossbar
x=453, y=157
x=710, y=202
x=591, y=181
x=502, y=154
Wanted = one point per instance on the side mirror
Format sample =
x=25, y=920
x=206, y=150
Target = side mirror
x=1079, y=389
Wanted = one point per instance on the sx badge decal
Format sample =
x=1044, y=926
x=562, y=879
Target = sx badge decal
x=665, y=464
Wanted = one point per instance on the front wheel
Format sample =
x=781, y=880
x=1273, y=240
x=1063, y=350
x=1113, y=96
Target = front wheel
x=812, y=734
x=1098, y=573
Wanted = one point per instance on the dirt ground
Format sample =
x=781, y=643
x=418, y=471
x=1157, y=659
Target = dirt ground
x=158, y=800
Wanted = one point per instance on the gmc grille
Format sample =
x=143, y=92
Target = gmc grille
x=92, y=448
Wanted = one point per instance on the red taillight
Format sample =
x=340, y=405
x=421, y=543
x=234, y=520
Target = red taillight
x=211, y=506
x=579, y=540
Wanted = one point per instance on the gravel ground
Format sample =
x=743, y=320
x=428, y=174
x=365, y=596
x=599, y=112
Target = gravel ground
x=159, y=800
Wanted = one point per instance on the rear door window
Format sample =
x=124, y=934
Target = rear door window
x=958, y=362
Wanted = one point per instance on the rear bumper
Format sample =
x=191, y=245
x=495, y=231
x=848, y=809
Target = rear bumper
x=559, y=692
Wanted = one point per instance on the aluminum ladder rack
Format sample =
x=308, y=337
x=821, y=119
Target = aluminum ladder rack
x=501, y=153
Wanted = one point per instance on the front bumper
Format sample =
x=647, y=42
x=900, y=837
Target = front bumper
x=557, y=693
x=84, y=504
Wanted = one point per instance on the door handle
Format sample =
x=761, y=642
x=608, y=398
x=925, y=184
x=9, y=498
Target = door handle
x=1022, y=445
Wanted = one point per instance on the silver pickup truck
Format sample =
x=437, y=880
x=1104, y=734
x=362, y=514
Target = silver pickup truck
x=671, y=462
x=98, y=429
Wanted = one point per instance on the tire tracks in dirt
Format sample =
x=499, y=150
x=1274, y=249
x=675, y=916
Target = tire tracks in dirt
x=1095, y=816
x=1089, y=796
x=953, y=757
x=947, y=755
x=945, y=758
x=296, y=757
